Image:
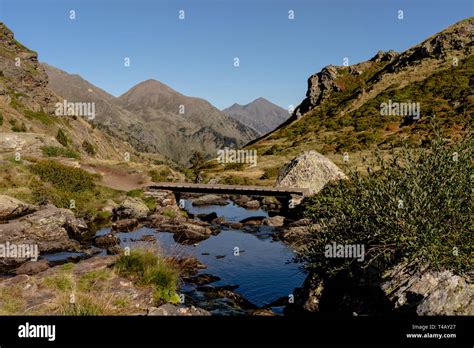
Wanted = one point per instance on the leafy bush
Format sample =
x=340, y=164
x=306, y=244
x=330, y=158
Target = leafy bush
x=56, y=151
x=61, y=137
x=145, y=267
x=416, y=207
x=16, y=127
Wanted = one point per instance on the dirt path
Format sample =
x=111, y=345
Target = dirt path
x=124, y=179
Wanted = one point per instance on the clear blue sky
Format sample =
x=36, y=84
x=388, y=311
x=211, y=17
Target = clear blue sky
x=195, y=55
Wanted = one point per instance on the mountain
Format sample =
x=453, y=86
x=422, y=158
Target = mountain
x=183, y=124
x=153, y=117
x=345, y=109
x=28, y=122
x=260, y=114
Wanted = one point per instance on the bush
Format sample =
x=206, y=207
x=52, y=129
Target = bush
x=88, y=147
x=417, y=208
x=61, y=137
x=40, y=116
x=270, y=173
x=145, y=267
x=158, y=176
x=56, y=151
x=63, y=177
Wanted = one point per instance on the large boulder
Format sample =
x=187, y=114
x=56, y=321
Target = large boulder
x=429, y=292
x=49, y=230
x=210, y=200
x=310, y=170
x=12, y=208
x=131, y=208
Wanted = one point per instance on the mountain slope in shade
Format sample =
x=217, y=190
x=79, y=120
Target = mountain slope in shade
x=27, y=110
x=260, y=114
x=153, y=117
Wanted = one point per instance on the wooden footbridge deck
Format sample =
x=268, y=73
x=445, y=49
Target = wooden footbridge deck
x=230, y=189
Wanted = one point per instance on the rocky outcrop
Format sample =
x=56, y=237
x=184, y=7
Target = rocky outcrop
x=131, y=208
x=275, y=221
x=50, y=229
x=320, y=87
x=28, y=82
x=25, y=142
x=106, y=241
x=186, y=231
x=12, y=208
x=429, y=292
x=310, y=170
x=307, y=298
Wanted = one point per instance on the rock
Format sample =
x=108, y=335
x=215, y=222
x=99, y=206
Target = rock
x=32, y=267
x=163, y=198
x=263, y=312
x=131, y=208
x=114, y=250
x=253, y=220
x=50, y=229
x=227, y=292
x=188, y=233
x=125, y=225
x=207, y=217
x=188, y=266
x=169, y=309
x=147, y=238
x=240, y=200
x=383, y=56
x=320, y=87
x=253, y=204
x=107, y=240
x=210, y=200
x=270, y=203
x=310, y=170
x=220, y=256
x=307, y=298
x=275, y=221
x=203, y=279
x=429, y=292
x=12, y=208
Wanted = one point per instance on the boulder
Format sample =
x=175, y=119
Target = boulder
x=32, y=267
x=12, y=208
x=428, y=292
x=125, y=225
x=253, y=204
x=275, y=221
x=310, y=170
x=50, y=229
x=131, y=208
x=210, y=200
x=106, y=241
x=207, y=217
x=188, y=233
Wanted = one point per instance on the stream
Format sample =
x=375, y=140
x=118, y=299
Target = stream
x=263, y=268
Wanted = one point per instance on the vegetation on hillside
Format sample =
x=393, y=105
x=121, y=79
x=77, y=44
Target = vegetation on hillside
x=417, y=207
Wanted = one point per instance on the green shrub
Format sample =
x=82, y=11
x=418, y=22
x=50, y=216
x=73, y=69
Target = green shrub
x=40, y=116
x=270, y=173
x=88, y=147
x=63, y=177
x=145, y=267
x=417, y=208
x=61, y=137
x=56, y=151
x=158, y=176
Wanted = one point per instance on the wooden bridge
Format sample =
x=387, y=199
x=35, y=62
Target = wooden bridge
x=230, y=189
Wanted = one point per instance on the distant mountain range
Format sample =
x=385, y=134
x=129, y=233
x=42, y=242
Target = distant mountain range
x=261, y=115
x=155, y=118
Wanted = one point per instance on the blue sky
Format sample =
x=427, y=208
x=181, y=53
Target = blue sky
x=196, y=56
